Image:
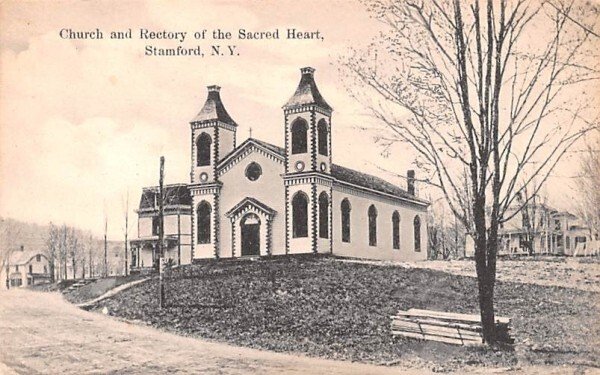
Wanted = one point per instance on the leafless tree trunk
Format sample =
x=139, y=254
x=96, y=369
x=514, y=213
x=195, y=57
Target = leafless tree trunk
x=470, y=89
x=105, y=271
x=126, y=232
x=588, y=187
x=8, y=235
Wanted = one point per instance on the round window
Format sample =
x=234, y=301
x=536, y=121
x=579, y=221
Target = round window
x=299, y=166
x=203, y=177
x=253, y=171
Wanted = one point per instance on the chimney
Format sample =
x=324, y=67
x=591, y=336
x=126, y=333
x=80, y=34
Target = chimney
x=307, y=71
x=213, y=93
x=410, y=181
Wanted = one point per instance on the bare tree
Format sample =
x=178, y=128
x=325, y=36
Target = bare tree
x=9, y=232
x=52, y=250
x=496, y=90
x=73, y=249
x=588, y=187
x=126, y=232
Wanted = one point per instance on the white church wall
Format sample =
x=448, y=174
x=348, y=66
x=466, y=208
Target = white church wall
x=300, y=245
x=358, y=246
x=208, y=169
x=323, y=160
x=206, y=250
x=267, y=189
x=305, y=158
x=323, y=244
x=226, y=142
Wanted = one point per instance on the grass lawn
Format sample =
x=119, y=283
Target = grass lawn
x=322, y=307
x=97, y=288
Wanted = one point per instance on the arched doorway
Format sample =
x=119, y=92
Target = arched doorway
x=250, y=235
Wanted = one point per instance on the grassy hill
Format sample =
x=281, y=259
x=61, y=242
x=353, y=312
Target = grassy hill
x=327, y=308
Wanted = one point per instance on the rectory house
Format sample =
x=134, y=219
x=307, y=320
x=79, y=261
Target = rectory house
x=258, y=199
x=541, y=229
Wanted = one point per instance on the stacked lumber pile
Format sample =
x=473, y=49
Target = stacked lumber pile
x=452, y=328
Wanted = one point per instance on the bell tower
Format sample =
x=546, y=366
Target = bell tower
x=307, y=128
x=213, y=136
x=307, y=179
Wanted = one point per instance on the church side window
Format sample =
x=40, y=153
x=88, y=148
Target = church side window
x=396, y=230
x=323, y=139
x=345, y=220
x=372, y=226
x=203, y=150
x=417, y=232
x=323, y=215
x=300, y=215
x=203, y=227
x=299, y=143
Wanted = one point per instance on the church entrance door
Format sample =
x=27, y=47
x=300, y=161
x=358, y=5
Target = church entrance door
x=250, y=235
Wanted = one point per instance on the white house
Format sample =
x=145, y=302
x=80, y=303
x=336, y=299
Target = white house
x=259, y=199
x=25, y=267
x=550, y=232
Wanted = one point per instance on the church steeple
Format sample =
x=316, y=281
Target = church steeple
x=213, y=136
x=308, y=128
x=213, y=109
x=307, y=92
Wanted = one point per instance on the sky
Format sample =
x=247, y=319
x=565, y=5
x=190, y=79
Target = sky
x=84, y=122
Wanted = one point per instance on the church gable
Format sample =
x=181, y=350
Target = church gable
x=250, y=146
x=249, y=204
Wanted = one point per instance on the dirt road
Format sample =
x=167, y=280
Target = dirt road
x=42, y=333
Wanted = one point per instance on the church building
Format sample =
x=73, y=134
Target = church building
x=259, y=199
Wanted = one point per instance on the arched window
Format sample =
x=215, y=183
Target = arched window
x=372, y=226
x=203, y=213
x=396, y=230
x=203, y=150
x=323, y=139
x=345, y=220
x=417, y=231
x=323, y=215
x=299, y=143
x=300, y=215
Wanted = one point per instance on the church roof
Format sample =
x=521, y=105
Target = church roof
x=307, y=92
x=344, y=174
x=175, y=195
x=272, y=147
x=213, y=108
x=367, y=181
x=268, y=146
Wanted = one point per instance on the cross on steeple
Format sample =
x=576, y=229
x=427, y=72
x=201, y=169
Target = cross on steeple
x=250, y=132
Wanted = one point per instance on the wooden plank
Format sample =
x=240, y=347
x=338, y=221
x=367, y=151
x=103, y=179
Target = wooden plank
x=474, y=318
x=420, y=327
x=453, y=333
x=448, y=340
x=471, y=327
x=431, y=328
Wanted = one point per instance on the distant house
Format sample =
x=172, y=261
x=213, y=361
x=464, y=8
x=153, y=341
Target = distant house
x=177, y=207
x=25, y=267
x=542, y=230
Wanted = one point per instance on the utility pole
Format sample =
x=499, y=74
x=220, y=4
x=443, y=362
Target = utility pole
x=126, y=229
x=161, y=285
x=105, y=247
